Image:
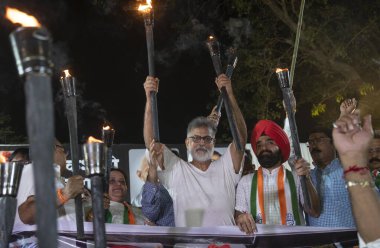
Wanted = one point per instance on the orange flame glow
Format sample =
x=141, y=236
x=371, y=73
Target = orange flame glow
x=278, y=70
x=145, y=7
x=17, y=16
x=67, y=73
x=93, y=140
x=3, y=159
x=107, y=128
x=211, y=37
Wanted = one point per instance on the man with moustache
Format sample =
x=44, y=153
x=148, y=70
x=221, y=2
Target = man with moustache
x=272, y=194
x=203, y=187
x=328, y=178
x=374, y=158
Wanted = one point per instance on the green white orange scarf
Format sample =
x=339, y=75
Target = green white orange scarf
x=258, y=189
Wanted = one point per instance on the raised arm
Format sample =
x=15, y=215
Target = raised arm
x=151, y=84
x=352, y=142
x=237, y=156
x=348, y=106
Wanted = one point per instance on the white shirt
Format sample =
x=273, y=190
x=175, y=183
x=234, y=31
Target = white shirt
x=373, y=244
x=210, y=193
x=271, y=201
x=26, y=189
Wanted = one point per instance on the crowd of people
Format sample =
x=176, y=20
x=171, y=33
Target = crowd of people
x=342, y=184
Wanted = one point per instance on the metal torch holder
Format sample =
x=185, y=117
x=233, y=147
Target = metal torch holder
x=32, y=48
x=283, y=79
x=69, y=91
x=107, y=137
x=94, y=163
x=231, y=64
x=10, y=175
x=213, y=46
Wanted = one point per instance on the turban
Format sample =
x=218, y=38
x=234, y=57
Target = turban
x=275, y=132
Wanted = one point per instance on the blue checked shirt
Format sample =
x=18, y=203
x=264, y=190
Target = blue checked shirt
x=335, y=201
x=157, y=204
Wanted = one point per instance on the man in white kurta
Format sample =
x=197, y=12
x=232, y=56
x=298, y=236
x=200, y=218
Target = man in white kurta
x=202, y=189
x=271, y=194
x=65, y=192
x=211, y=191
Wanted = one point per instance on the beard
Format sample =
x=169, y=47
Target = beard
x=202, y=154
x=269, y=159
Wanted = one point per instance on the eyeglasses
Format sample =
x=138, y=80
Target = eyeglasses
x=317, y=141
x=121, y=182
x=197, y=139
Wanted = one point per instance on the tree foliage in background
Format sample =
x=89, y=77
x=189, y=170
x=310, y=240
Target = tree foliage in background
x=338, y=56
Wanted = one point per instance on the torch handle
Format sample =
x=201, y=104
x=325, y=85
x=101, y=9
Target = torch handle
x=227, y=104
x=71, y=113
x=153, y=95
x=98, y=211
x=40, y=127
x=8, y=206
x=150, y=49
x=217, y=64
x=231, y=120
x=286, y=92
x=156, y=132
x=219, y=104
x=108, y=160
x=229, y=71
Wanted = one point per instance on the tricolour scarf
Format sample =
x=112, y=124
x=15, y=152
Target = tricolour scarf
x=128, y=217
x=258, y=187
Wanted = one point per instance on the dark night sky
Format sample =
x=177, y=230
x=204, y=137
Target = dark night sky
x=106, y=51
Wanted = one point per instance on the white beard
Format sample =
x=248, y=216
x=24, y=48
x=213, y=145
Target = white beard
x=202, y=157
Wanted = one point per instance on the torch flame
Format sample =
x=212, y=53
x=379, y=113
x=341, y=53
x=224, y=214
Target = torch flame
x=146, y=7
x=3, y=159
x=67, y=73
x=278, y=70
x=93, y=140
x=16, y=16
x=107, y=128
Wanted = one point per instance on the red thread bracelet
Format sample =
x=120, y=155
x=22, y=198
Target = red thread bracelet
x=355, y=169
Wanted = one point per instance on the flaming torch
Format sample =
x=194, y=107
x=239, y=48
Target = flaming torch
x=107, y=136
x=31, y=46
x=68, y=86
x=213, y=46
x=93, y=152
x=231, y=64
x=10, y=174
x=147, y=12
x=283, y=78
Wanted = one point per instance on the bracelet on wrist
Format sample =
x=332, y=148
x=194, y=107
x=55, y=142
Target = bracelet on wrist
x=356, y=169
x=362, y=184
x=61, y=198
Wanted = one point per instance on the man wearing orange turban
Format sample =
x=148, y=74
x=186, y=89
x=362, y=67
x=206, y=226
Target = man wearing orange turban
x=272, y=194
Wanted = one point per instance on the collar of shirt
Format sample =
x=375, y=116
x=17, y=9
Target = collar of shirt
x=271, y=173
x=332, y=166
